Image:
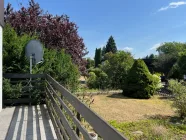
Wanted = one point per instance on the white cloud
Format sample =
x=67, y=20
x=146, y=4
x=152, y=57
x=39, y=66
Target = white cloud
x=128, y=49
x=155, y=46
x=172, y=5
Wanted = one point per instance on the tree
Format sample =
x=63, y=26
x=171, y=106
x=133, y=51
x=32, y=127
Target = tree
x=117, y=67
x=98, y=57
x=13, y=51
x=56, y=32
x=171, y=48
x=179, y=68
x=152, y=56
x=169, y=53
x=90, y=63
x=182, y=65
x=111, y=46
x=103, y=53
x=56, y=63
x=139, y=82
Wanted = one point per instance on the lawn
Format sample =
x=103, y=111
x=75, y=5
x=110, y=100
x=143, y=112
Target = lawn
x=117, y=107
x=141, y=119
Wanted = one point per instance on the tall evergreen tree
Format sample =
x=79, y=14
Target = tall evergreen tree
x=98, y=57
x=111, y=46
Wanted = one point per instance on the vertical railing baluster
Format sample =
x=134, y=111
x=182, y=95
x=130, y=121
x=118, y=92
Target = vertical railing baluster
x=79, y=118
x=62, y=112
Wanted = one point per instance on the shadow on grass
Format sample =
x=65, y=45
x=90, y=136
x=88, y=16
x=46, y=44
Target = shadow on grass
x=121, y=96
x=164, y=97
x=118, y=95
x=170, y=119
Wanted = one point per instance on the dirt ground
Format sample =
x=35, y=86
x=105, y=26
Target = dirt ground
x=117, y=107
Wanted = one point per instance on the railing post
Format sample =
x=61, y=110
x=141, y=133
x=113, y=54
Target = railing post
x=79, y=118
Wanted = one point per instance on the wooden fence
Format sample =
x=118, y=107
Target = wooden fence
x=29, y=83
x=69, y=115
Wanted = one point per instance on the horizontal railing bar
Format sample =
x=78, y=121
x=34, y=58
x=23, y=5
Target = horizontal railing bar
x=62, y=116
x=100, y=126
x=75, y=120
x=19, y=76
x=26, y=81
x=15, y=101
x=58, y=122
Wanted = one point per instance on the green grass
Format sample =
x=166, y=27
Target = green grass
x=153, y=129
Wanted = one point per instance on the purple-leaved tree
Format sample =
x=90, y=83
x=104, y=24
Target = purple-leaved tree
x=56, y=32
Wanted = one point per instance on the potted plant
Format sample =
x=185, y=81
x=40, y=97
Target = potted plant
x=93, y=135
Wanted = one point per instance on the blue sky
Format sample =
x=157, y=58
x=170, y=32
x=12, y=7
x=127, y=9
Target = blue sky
x=136, y=25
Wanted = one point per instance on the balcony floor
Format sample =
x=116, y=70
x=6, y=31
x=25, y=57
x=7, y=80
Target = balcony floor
x=26, y=123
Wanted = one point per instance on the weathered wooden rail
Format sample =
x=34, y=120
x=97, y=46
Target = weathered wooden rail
x=69, y=115
x=36, y=81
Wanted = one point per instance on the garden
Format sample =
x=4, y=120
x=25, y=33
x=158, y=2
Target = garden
x=128, y=93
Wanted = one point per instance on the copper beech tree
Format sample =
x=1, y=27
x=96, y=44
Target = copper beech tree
x=56, y=32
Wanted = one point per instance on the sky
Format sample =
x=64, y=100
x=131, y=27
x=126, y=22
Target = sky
x=138, y=26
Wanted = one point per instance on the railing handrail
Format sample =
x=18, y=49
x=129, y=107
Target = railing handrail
x=101, y=127
x=105, y=130
x=21, y=75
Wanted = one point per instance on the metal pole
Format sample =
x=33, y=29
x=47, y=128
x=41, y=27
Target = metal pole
x=31, y=64
x=30, y=84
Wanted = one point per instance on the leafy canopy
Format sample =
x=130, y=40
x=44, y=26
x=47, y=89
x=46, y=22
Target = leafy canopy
x=56, y=32
x=56, y=63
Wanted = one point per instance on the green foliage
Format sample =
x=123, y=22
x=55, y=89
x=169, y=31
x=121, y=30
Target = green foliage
x=171, y=48
x=151, y=56
x=164, y=63
x=139, y=82
x=11, y=91
x=117, y=67
x=98, y=57
x=91, y=82
x=153, y=129
x=90, y=63
x=56, y=63
x=97, y=79
x=13, y=51
x=179, y=90
x=169, y=54
x=111, y=46
x=157, y=85
x=103, y=80
x=182, y=64
x=158, y=74
x=59, y=65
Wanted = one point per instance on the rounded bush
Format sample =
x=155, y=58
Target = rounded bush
x=139, y=82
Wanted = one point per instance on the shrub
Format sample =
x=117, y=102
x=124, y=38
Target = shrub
x=91, y=82
x=11, y=91
x=179, y=102
x=13, y=51
x=139, y=82
x=156, y=82
x=117, y=66
x=103, y=80
x=60, y=66
x=97, y=79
